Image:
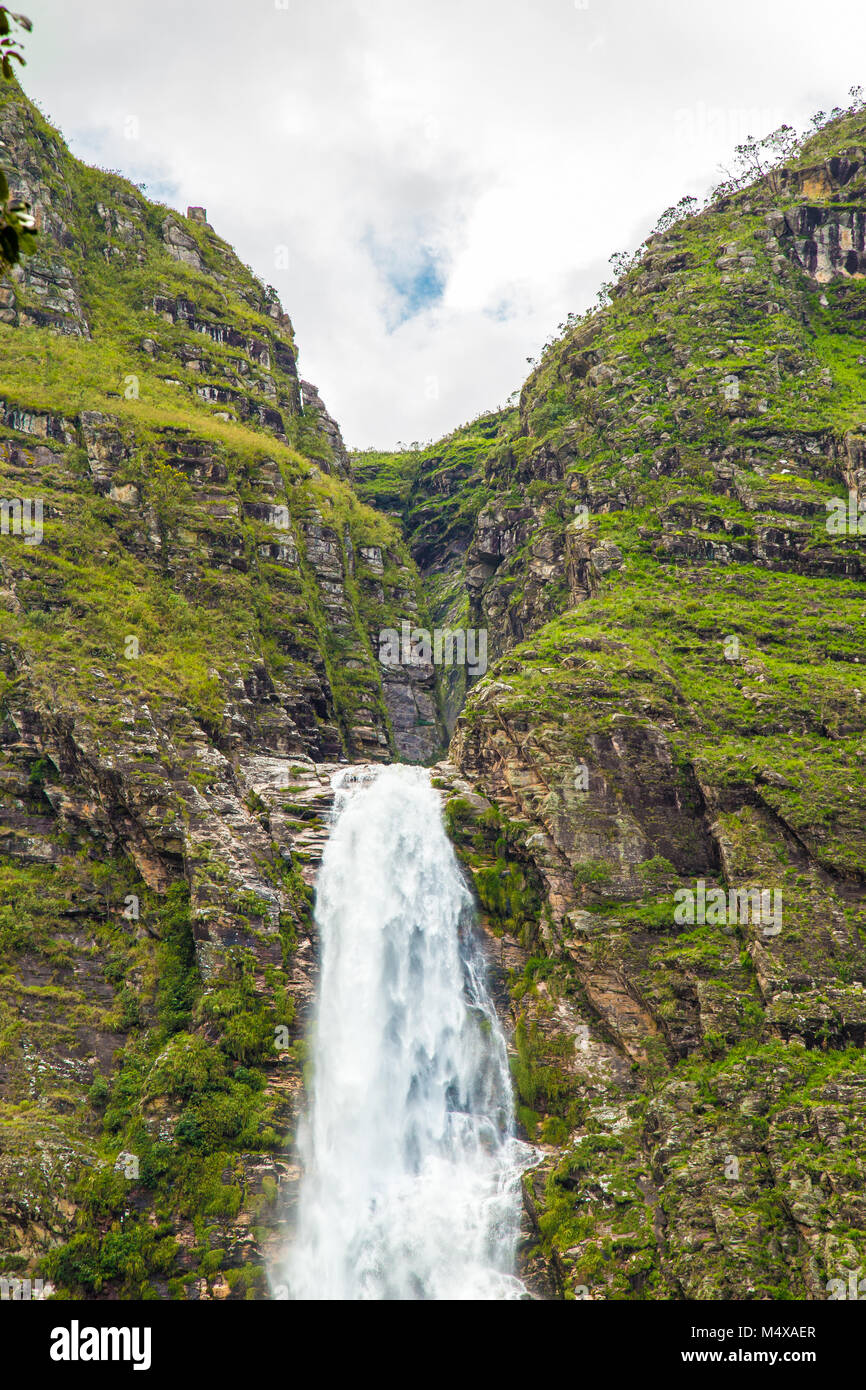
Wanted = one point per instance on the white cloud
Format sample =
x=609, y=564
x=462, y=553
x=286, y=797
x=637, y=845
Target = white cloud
x=519, y=143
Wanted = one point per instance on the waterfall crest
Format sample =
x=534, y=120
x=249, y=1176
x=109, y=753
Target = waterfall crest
x=411, y=1185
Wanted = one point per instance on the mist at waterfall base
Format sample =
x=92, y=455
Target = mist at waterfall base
x=411, y=1185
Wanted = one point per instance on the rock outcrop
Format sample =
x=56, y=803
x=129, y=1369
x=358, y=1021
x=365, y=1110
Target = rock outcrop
x=311, y=401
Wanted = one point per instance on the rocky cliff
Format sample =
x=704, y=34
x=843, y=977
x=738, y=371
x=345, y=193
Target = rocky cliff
x=674, y=707
x=665, y=541
x=190, y=604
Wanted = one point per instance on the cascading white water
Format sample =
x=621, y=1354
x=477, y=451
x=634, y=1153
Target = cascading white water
x=411, y=1168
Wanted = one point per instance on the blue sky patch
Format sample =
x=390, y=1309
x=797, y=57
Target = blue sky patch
x=413, y=273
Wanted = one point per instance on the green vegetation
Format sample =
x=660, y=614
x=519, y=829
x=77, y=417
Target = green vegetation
x=646, y=536
x=675, y=697
x=17, y=226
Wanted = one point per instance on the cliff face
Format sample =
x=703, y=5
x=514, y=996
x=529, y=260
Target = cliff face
x=188, y=643
x=666, y=543
x=191, y=602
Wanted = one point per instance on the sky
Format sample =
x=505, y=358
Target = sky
x=430, y=185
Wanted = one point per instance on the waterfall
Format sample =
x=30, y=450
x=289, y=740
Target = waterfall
x=411, y=1186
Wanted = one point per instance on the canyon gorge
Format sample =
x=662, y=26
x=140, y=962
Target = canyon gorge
x=663, y=542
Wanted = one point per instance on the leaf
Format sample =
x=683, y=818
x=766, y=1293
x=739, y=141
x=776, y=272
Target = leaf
x=4, y=187
x=24, y=22
x=9, y=244
x=7, y=67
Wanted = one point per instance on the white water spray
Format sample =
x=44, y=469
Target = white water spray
x=411, y=1184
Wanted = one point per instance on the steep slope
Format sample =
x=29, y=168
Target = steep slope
x=188, y=643
x=665, y=541
x=191, y=601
